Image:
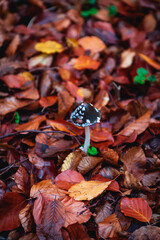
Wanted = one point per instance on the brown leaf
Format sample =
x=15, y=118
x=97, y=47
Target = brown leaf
x=37, y=161
x=130, y=181
x=2, y=189
x=16, y=81
x=103, y=212
x=77, y=232
x=29, y=236
x=101, y=134
x=31, y=125
x=46, y=186
x=138, y=125
x=145, y=233
x=26, y=218
x=110, y=156
x=87, y=163
x=72, y=160
x=11, y=104
x=22, y=180
x=65, y=102
x=134, y=161
x=12, y=48
x=87, y=190
x=151, y=178
x=10, y=207
x=68, y=178
x=149, y=23
x=110, y=227
x=31, y=93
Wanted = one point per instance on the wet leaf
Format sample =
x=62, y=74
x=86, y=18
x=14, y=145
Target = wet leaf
x=137, y=208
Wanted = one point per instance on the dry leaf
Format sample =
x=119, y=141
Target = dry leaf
x=92, y=43
x=48, y=101
x=87, y=163
x=65, y=102
x=75, y=91
x=37, y=161
x=87, y=190
x=26, y=218
x=127, y=57
x=49, y=47
x=22, y=180
x=31, y=125
x=40, y=61
x=150, y=61
x=138, y=125
x=137, y=208
x=110, y=227
x=72, y=160
x=145, y=233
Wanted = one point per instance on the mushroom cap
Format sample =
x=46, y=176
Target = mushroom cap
x=85, y=115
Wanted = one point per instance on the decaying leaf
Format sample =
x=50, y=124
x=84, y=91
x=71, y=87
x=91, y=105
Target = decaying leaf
x=87, y=163
x=31, y=125
x=26, y=218
x=72, y=160
x=87, y=190
x=22, y=180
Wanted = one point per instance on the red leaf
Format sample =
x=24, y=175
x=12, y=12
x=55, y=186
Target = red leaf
x=22, y=180
x=10, y=207
x=68, y=178
x=137, y=208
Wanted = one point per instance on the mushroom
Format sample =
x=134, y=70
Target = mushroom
x=84, y=116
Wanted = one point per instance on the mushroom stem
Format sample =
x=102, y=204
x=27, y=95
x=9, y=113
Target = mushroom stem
x=87, y=139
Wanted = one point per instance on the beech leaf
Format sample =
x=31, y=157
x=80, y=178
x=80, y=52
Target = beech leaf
x=136, y=208
x=49, y=47
x=86, y=62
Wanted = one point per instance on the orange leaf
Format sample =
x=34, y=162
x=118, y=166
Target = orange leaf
x=150, y=61
x=31, y=125
x=46, y=186
x=138, y=125
x=65, y=102
x=68, y=178
x=49, y=47
x=48, y=101
x=86, y=62
x=87, y=190
x=75, y=91
x=10, y=207
x=62, y=125
x=137, y=208
x=92, y=43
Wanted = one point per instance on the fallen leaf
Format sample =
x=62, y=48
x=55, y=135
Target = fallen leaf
x=68, y=178
x=46, y=186
x=92, y=43
x=145, y=233
x=110, y=156
x=49, y=47
x=10, y=207
x=150, y=61
x=40, y=61
x=26, y=218
x=87, y=163
x=11, y=104
x=22, y=180
x=136, y=208
x=138, y=125
x=75, y=91
x=65, y=102
x=31, y=125
x=127, y=57
x=149, y=23
x=48, y=101
x=72, y=160
x=103, y=212
x=101, y=134
x=12, y=48
x=110, y=227
x=134, y=162
x=37, y=161
x=86, y=62
x=87, y=190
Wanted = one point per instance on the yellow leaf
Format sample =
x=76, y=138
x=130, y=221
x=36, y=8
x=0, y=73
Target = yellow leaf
x=71, y=42
x=27, y=75
x=87, y=190
x=49, y=47
x=72, y=160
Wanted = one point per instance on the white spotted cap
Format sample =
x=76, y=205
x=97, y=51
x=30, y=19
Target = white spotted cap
x=85, y=115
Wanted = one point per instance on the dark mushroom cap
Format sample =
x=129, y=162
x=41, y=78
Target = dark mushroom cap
x=85, y=115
